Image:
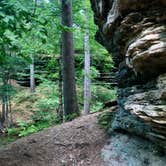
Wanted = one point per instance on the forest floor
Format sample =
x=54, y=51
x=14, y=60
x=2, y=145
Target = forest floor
x=75, y=143
x=81, y=142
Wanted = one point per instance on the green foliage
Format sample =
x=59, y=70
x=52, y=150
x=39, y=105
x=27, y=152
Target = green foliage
x=13, y=131
x=19, y=98
x=29, y=130
x=40, y=121
x=7, y=89
x=96, y=106
x=105, y=119
x=23, y=129
x=6, y=139
x=44, y=102
x=45, y=117
x=13, y=16
x=99, y=95
x=102, y=93
x=27, y=29
x=71, y=117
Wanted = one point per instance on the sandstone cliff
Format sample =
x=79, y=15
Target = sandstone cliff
x=134, y=32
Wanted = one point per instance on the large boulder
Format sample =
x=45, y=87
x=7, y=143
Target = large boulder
x=134, y=32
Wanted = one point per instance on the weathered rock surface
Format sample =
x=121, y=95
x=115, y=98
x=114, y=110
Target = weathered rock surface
x=134, y=32
x=143, y=111
x=124, y=150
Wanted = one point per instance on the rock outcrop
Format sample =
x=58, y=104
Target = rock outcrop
x=134, y=32
x=124, y=150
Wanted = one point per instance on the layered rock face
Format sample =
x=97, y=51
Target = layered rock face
x=134, y=32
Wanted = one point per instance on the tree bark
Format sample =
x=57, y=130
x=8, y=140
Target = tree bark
x=10, y=106
x=60, y=107
x=3, y=115
x=87, y=81
x=5, y=103
x=32, y=76
x=69, y=87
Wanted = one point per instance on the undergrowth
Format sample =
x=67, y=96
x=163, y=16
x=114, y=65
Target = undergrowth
x=44, y=104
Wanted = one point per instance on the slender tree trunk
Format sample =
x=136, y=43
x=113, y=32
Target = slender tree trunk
x=4, y=102
x=35, y=6
x=32, y=68
x=10, y=112
x=60, y=108
x=87, y=81
x=10, y=106
x=3, y=115
x=1, y=127
x=32, y=76
x=69, y=87
x=5, y=111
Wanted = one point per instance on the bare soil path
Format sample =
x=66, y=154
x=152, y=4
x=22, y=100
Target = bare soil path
x=76, y=143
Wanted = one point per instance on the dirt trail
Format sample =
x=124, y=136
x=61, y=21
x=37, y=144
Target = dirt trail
x=76, y=143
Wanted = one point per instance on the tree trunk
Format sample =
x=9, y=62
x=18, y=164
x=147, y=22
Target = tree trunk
x=87, y=81
x=69, y=87
x=60, y=108
x=32, y=76
x=3, y=115
x=10, y=106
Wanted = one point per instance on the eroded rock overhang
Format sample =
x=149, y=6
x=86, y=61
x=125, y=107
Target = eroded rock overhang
x=134, y=32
